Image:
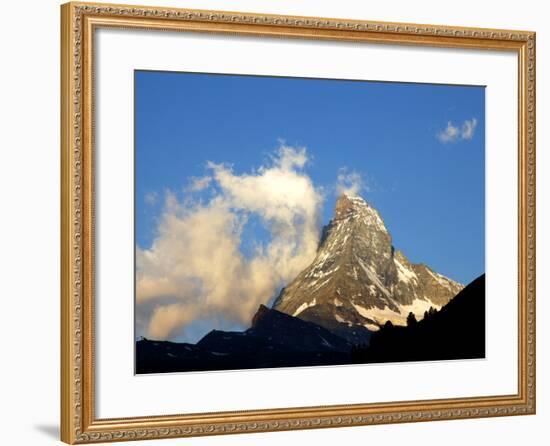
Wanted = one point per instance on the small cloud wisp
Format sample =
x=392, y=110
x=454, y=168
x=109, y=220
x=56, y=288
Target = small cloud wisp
x=453, y=133
x=349, y=183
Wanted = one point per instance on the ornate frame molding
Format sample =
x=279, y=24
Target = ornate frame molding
x=78, y=424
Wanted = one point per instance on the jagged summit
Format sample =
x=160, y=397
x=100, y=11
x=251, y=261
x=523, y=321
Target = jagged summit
x=358, y=280
x=346, y=204
x=349, y=206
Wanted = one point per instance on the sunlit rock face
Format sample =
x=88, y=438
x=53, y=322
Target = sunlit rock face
x=357, y=280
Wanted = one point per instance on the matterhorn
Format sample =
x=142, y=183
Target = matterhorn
x=358, y=281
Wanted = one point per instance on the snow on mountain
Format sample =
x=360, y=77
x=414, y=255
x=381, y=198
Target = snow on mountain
x=357, y=280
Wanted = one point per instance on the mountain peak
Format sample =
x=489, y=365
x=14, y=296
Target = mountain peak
x=358, y=279
x=345, y=204
x=355, y=208
x=260, y=314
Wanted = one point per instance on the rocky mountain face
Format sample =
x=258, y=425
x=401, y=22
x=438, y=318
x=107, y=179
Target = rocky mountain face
x=358, y=281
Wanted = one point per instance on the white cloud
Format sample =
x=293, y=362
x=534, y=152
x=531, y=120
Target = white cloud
x=197, y=184
x=468, y=128
x=150, y=198
x=450, y=134
x=453, y=133
x=349, y=183
x=166, y=319
x=195, y=269
x=288, y=158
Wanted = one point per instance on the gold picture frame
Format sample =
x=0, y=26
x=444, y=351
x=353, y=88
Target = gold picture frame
x=78, y=24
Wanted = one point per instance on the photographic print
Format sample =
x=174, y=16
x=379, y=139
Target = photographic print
x=247, y=196
x=288, y=222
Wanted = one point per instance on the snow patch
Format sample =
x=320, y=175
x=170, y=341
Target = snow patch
x=371, y=327
x=325, y=342
x=404, y=274
x=382, y=315
x=339, y=318
x=219, y=353
x=373, y=277
x=304, y=306
x=318, y=272
x=442, y=280
x=418, y=307
x=319, y=285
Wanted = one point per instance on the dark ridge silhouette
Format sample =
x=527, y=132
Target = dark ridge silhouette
x=355, y=334
x=457, y=331
x=277, y=339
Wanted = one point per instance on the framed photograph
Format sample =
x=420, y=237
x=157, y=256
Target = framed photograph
x=275, y=223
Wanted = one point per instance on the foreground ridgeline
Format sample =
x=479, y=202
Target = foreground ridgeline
x=457, y=331
x=276, y=339
x=359, y=301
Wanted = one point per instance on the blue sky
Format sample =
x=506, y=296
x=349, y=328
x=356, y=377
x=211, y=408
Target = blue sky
x=423, y=167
